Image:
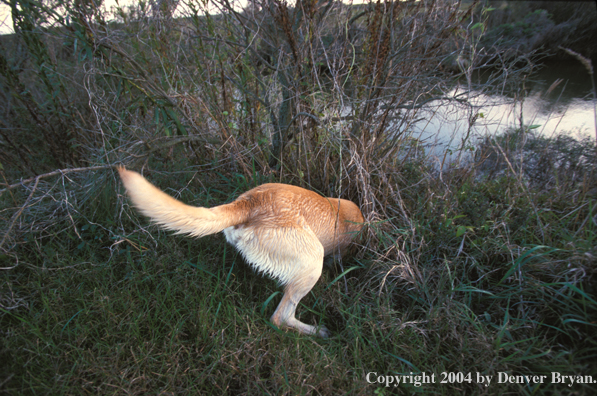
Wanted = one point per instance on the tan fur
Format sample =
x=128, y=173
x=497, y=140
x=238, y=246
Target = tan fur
x=282, y=230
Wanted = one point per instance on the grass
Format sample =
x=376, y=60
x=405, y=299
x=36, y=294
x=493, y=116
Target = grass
x=473, y=287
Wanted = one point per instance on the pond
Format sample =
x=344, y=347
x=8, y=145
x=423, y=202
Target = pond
x=566, y=108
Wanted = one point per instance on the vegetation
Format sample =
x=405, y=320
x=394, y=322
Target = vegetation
x=526, y=26
x=485, y=264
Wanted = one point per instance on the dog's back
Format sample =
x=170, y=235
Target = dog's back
x=282, y=230
x=334, y=221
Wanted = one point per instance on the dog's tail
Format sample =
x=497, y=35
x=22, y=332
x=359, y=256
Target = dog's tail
x=175, y=215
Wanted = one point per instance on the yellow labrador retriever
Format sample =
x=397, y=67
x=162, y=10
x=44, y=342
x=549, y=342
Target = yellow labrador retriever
x=282, y=230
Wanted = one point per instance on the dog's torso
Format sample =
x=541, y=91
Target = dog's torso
x=283, y=222
x=284, y=206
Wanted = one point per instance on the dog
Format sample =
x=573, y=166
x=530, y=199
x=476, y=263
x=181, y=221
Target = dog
x=282, y=230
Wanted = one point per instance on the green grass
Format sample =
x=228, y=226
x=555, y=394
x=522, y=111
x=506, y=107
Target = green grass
x=127, y=309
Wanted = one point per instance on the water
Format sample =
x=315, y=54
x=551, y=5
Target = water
x=567, y=108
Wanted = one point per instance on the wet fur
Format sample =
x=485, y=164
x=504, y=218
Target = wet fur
x=282, y=230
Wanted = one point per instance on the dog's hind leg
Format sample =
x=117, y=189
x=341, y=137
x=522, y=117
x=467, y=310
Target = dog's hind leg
x=294, y=292
x=305, y=267
x=292, y=254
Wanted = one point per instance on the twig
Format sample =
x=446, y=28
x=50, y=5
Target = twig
x=6, y=182
x=16, y=215
x=53, y=173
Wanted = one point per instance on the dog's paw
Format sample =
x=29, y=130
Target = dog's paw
x=323, y=332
